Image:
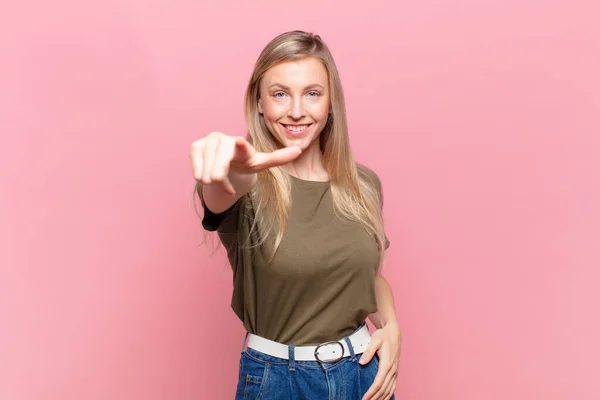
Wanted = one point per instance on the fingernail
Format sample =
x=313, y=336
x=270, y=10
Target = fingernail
x=362, y=361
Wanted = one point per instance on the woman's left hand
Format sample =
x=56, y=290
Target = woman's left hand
x=386, y=342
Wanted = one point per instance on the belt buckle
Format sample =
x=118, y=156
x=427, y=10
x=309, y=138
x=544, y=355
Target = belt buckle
x=326, y=344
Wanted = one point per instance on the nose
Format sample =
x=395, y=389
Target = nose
x=296, y=110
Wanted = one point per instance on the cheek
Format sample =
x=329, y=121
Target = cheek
x=320, y=109
x=272, y=111
x=320, y=112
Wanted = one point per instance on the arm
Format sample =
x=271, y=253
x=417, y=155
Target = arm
x=386, y=314
x=218, y=199
x=385, y=341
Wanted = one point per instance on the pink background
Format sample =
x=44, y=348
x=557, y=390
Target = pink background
x=481, y=117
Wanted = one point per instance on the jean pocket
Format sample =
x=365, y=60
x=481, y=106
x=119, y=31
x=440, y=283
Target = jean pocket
x=254, y=375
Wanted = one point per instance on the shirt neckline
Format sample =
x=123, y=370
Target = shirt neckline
x=308, y=182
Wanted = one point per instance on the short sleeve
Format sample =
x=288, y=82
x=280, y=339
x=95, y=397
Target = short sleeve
x=387, y=240
x=224, y=221
x=374, y=178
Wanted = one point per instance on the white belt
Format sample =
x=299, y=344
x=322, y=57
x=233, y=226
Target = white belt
x=325, y=352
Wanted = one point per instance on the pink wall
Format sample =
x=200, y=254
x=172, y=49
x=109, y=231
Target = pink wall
x=482, y=118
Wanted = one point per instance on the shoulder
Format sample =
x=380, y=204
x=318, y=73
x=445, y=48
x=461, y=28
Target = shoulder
x=369, y=176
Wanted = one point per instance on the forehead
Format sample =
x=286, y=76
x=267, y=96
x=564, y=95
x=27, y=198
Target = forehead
x=297, y=74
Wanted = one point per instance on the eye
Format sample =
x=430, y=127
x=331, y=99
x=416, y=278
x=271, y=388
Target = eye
x=313, y=94
x=278, y=95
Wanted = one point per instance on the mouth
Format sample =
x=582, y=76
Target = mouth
x=295, y=129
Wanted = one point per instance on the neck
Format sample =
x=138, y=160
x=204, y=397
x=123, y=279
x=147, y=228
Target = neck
x=310, y=165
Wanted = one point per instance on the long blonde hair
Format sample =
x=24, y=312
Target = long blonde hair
x=356, y=193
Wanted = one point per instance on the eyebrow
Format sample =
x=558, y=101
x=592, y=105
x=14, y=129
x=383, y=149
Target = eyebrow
x=313, y=86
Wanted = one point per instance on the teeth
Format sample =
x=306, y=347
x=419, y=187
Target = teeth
x=296, y=128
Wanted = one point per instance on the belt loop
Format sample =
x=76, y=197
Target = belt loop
x=351, y=348
x=292, y=357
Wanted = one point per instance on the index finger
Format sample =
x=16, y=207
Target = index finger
x=243, y=150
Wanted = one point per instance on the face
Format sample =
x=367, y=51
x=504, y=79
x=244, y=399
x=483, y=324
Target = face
x=294, y=101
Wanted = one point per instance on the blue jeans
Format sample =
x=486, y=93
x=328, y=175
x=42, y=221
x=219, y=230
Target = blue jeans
x=264, y=377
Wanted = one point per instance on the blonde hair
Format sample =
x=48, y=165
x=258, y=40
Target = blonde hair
x=355, y=191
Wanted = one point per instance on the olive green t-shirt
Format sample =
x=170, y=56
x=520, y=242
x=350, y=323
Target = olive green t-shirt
x=320, y=285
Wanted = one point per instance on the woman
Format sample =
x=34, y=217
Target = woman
x=302, y=225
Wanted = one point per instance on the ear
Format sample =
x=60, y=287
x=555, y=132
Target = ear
x=260, y=110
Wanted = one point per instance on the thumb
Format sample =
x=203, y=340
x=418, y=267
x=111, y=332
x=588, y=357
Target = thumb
x=368, y=354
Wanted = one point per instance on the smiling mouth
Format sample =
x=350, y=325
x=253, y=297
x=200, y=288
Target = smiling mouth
x=296, y=128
